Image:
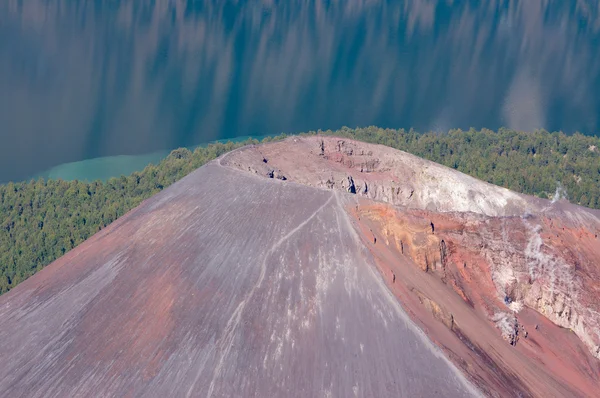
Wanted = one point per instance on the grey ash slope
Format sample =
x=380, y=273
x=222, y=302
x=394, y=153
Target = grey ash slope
x=225, y=284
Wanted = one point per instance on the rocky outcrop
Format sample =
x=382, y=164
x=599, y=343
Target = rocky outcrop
x=383, y=174
x=539, y=254
x=274, y=173
x=259, y=166
x=472, y=272
x=438, y=312
x=505, y=264
x=348, y=185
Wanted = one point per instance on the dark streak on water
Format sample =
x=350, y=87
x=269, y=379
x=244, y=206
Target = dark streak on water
x=84, y=79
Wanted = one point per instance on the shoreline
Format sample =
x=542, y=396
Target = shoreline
x=106, y=167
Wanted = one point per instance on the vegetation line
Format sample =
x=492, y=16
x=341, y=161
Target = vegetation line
x=42, y=220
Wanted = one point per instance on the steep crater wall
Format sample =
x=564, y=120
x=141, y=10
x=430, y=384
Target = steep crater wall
x=540, y=254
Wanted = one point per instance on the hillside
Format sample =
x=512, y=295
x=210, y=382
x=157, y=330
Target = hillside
x=215, y=288
x=317, y=266
x=42, y=220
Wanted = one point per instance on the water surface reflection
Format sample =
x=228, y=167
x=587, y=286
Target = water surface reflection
x=83, y=79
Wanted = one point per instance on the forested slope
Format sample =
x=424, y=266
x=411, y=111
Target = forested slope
x=535, y=163
x=42, y=220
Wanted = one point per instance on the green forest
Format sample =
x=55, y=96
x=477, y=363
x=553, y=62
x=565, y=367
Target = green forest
x=41, y=220
x=532, y=163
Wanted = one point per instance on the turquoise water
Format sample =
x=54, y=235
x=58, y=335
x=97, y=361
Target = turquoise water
x=118, y=80
x=102, y=168
x=113, y=166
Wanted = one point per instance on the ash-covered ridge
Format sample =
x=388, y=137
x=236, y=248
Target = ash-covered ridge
x=223, y=285
x=380, y=173
x=502, y=252
x=532, y=268
x=317, y=266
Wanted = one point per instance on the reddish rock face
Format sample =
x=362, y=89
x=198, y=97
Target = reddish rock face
x=295, y=268
x=380, y=173
x=522, y=269
x=453, y=277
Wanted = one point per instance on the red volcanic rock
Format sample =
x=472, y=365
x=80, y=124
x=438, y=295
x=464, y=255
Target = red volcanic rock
x=502, y=253
x=380, y=173
x=490, y=331
x=297, y=268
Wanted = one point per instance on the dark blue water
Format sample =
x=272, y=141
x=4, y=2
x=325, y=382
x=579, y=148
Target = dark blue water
x=85, y=79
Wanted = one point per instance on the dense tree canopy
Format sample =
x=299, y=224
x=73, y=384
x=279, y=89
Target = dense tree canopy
x=42, y=220
x=535, y=163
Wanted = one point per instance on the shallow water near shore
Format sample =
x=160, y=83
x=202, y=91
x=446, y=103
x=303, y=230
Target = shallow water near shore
x=102, y=168
x=107, y=167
